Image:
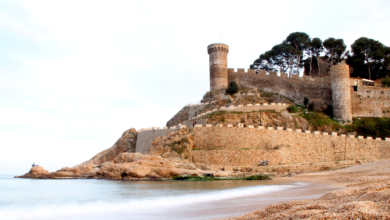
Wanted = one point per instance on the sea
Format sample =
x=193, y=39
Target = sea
x=108, y=199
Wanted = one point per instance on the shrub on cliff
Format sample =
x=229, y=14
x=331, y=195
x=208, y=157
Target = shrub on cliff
x=386, y=81
x=292, y=109
x=232, y=88
x=375, y=127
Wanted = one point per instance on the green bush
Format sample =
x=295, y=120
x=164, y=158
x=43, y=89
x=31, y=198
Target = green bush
x=386, y=81
x=193, y=178
x=256, y=177
x=232, y=88
x=376, y=127
x=292, y=109
x=177, y=145
x=317, y=120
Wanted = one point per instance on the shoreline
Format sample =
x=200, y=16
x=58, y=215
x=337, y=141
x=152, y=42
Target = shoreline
x=311, y=190
x=310, y=196
x=364, y=192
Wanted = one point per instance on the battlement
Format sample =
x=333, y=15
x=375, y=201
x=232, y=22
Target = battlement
x=282, y=129
x=218, y=47
x=240, y=125
x=263, y=74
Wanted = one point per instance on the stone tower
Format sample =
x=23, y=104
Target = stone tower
x=218, y=65
x=341, y=92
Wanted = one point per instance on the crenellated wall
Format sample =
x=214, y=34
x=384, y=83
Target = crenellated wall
x=238, y=146
x=295, y=88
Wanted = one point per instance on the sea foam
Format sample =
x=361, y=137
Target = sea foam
x=130, y=206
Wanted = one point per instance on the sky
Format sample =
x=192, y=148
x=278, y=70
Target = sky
x=74, y=75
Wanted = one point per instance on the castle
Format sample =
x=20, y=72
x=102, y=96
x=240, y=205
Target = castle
x=231, y=143
x=349, y=97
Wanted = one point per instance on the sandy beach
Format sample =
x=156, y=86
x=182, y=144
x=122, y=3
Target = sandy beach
x=366, y=195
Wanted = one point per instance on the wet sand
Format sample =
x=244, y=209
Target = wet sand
x=366, y=195
x=227, y=208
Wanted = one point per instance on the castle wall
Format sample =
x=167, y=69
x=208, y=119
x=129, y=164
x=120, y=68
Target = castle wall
x=247, y=146
x=370, y=101
x=146, y=138
x=295, y=88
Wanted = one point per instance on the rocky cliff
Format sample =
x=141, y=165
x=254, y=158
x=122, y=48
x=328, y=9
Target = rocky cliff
x=120, y=162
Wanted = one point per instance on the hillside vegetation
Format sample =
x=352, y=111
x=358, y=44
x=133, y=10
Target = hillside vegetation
x=295, y=117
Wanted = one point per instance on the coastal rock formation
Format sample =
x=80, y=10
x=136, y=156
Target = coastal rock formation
x=143, y=166
x=121, y=163
x=36, y=172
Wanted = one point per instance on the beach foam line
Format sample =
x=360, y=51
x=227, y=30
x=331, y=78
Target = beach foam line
x=132, y=206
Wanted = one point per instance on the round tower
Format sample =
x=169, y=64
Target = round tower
x=218, y=66
x=341, y=92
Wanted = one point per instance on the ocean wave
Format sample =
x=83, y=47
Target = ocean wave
x=131, y=206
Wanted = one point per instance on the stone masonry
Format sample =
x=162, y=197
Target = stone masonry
x=341, y=95
x=247, y=146
x=218, y=65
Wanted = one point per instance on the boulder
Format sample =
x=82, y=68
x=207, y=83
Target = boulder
x=92, y=172
x=63, y=174
x=170, y=154
x=165, y=172
x=227, y=168
x=38, y=170
x=138, y=171
x=221, y=174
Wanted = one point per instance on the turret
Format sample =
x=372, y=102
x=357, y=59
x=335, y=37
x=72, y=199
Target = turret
x=341, y=93
x=218, y=66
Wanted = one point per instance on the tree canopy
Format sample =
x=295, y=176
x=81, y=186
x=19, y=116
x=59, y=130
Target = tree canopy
x=368, y=58
x=371, y=54
x=314, y=51
x=285, y=57
x=334, y=49
x=232, y=88
x=298, y=42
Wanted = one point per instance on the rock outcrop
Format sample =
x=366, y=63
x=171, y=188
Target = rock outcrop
x=120, y=162
x=36, y=172
x=136, y=165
